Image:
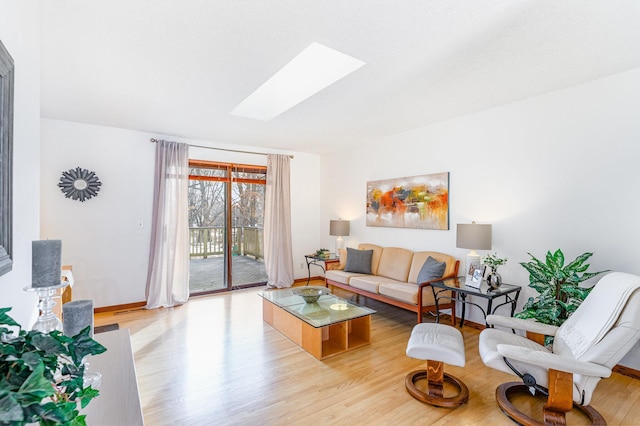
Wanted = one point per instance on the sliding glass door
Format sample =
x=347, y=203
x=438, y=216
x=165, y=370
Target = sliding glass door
x=226, y=213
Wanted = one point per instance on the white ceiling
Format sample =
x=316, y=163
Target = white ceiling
x=178, y=67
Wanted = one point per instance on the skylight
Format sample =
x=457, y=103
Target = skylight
x=314, y=69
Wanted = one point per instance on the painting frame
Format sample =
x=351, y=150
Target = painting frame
x=416, y=202
x=6, y=159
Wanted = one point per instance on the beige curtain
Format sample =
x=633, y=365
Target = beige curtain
x=168, y=274
x=278, y=257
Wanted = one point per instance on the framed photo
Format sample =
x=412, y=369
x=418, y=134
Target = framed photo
x=476, y=277
x=473, y=262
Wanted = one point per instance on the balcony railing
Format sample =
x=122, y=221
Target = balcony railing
x=245, y=241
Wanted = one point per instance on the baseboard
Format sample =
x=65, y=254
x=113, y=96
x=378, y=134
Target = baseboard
x=620, y=369
x=125, y=307
x=304, y=280
x=626, y=371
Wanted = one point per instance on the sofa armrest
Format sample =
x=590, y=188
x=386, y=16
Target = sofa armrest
x=428, y=283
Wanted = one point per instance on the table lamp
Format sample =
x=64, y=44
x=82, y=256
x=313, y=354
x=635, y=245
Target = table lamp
x=339, y=228
x=474, y=237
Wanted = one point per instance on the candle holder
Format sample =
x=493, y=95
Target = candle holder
x=91, y=378
x=47, y=321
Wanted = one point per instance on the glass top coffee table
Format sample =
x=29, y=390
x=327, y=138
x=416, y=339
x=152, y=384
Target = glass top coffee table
x=328, y=327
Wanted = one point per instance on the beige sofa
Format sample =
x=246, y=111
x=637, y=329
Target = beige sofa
x=393, y=278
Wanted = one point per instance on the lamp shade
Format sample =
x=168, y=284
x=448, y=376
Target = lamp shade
x=473, y=236
x=339, y=228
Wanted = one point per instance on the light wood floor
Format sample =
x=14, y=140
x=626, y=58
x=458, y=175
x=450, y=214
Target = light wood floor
x=213, y=361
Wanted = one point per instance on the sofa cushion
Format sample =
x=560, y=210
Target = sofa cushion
x=395, y=263
x=342, y=253
x=370, y=283
x=420, y=257
x=408, y=293
x=431, y=270
x=358, y=261
x=340, y=276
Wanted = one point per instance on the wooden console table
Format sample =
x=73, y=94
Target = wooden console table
x=119, y=400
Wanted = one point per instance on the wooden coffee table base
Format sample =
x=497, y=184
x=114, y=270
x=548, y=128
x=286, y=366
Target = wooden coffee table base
x=321, y=342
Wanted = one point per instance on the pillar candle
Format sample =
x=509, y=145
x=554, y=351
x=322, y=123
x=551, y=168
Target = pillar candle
x=46, y=263
x=76, y=315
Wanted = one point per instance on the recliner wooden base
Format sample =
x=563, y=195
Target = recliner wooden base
x=435, y=389
x=505, y=391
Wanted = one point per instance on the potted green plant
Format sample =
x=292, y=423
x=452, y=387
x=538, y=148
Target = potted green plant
x=42, y=375
x=558, y=286
x=323, y=252
x=492, y=261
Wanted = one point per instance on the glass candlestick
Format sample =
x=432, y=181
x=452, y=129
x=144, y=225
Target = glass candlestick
x=91, y=378
x=47, y=321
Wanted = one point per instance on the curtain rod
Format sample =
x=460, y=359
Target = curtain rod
x=223, y=149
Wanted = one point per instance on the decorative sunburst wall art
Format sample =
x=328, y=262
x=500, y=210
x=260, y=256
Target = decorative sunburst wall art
x=79, y=184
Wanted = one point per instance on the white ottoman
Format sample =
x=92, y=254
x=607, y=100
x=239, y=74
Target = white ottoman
x=437, y=344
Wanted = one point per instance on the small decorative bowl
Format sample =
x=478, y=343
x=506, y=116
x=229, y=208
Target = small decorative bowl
x=310, y=294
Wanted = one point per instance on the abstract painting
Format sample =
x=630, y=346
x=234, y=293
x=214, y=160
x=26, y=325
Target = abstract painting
x=411, y=202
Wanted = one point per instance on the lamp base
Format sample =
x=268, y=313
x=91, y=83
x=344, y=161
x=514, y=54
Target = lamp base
x=339, y=245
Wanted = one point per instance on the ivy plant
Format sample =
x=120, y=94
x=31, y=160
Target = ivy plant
x=558, y=287
x=42, y=375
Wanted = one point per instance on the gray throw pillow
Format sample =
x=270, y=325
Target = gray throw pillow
x=431, y=270
x=358, y=261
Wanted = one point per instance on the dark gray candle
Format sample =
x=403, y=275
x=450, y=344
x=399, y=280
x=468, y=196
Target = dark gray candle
x=76, y=315
x=46, y=263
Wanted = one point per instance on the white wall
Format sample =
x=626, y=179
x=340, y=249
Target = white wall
x=554, y=171
x=19, y=32
x=100, y=237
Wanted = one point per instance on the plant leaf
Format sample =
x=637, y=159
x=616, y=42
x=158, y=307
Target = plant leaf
x=10, y=409
x=84, y=345
x=86, y=395
x=36, y=384
x=60, y=413
x=6, y=319
x=48, y=344
x=79, y=421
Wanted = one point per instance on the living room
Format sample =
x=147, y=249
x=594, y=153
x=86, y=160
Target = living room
x=550, y=170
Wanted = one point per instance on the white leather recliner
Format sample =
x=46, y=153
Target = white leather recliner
x=585, y=349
